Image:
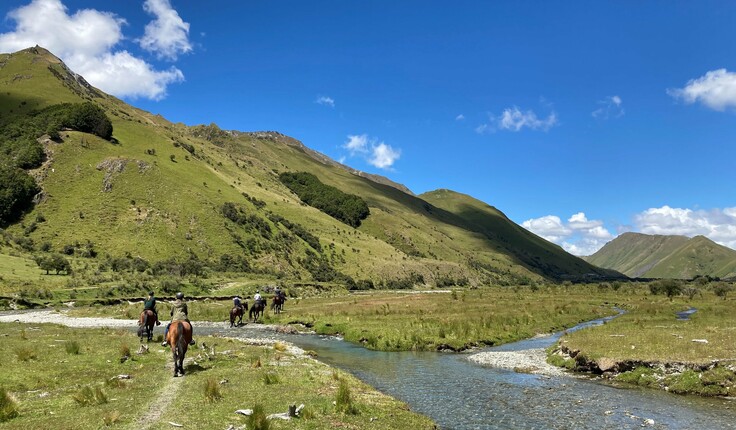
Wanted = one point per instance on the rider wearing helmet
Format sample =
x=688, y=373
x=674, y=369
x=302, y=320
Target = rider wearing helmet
x=179, y=312
x=150, y=304
x=237, y=303
x=257, y=297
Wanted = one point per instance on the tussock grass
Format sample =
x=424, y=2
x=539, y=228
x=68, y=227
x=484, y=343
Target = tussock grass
x=270, y=378
x=88, y=396
x=9, y=407
x=111, y=418
x=72, y=347
x=279, y=346
x=25, y=353
x=344, y=399
x=257, y=420
x=212, y=391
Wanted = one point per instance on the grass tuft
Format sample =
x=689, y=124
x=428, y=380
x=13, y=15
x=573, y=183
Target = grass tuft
x=279, y=346
x=258, y=420
x=9, y=407
x=25, y=353
x=212, y=392
x=344, y=400
x=271, y=378
x=72, y=347
x=124, y=351
x=90, y=397
x=111, y=418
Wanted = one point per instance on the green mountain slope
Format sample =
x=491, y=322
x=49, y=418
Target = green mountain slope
x=160, y=190
x=506, y=237
x=656, y=256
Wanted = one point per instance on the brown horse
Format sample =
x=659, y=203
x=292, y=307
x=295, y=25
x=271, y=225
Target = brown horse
x=145, y=324
x=277, y=305
x=238, y=312
x=257, y=309
x=178, y=338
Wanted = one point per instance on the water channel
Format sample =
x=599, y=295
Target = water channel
x=459, y=394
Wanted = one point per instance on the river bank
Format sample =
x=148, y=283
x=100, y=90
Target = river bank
x=84, y=373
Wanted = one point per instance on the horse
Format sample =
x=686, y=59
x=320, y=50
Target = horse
x=238, y=312
x=178, y=338
x=277, y=305
x=256, y=309
x=145, y=324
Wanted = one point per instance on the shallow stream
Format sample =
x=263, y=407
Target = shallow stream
x=459, y=394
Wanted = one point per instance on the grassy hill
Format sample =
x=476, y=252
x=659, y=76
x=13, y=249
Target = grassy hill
x=159, y=192
x=656, y=256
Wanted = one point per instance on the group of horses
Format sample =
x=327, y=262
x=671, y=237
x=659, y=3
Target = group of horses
x=180, y=332
x=256, y=311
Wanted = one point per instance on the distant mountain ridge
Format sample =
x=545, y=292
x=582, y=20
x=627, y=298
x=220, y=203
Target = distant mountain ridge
x=160, y=190
x=640, y=255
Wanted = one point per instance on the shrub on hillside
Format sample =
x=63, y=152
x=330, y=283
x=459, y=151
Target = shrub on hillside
x=17, y=189
x=348, y=208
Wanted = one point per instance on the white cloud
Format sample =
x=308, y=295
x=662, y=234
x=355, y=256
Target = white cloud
x=578, y=236
x=460, y=117
x=384, y=156
x=610, y=107
x=718, y=225
x=374, y=152
x=327, y=101
x=356, y=144
x=716, y=90
x=513, y=119
x=168, y=35
x=85, y=41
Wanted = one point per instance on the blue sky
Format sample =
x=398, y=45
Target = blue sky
x=579, y=120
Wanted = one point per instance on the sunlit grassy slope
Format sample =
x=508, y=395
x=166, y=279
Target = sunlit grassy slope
x=157, y=189
x=655, y=256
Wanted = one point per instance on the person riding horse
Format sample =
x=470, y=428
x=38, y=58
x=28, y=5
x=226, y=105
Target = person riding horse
x=150, y=304
x=179, y=312
x=237, y=303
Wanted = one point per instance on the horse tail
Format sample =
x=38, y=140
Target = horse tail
x=181, y=341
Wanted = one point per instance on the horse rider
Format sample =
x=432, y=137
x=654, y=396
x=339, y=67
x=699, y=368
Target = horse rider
x=257, y=297
x=237, y=303
x=179, y=312
x=150, y=305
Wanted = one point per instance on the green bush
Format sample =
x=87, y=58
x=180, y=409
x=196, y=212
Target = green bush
x=348, y=208
x=17, y=189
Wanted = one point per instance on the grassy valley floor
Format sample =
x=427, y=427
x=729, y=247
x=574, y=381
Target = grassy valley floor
x=64, y=378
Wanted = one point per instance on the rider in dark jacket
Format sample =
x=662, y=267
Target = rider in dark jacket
x=150, y=304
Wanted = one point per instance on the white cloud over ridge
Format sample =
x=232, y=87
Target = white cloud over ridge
x=581, y=236
x=375, y=153
x=85, y=41
x=716, y=90
x=514, y=119
x=168, y=35
x=719, y=225
x=578, y=236
x=327, y=101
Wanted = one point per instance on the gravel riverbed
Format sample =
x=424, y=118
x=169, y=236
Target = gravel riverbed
x=526, y=361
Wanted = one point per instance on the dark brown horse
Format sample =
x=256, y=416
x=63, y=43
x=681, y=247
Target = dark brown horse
x=238, y=312
x=277, y=305
x=145, y=324
x=257, y=309
x=178, y=338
